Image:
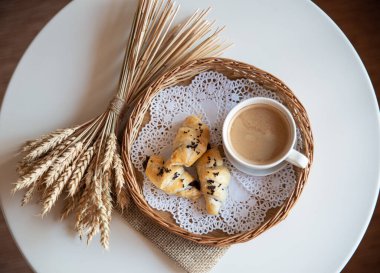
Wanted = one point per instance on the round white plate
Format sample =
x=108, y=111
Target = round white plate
x=72, y=67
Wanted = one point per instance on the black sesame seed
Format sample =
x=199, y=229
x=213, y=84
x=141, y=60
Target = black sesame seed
x=192, y=145
x=212, y=189
x=175, y=176
x=145, y=162
x=195, y=184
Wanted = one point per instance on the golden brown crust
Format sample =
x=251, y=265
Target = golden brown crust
x=190, y=142
x=153, y=170
x=172, y=179
x=214, y=179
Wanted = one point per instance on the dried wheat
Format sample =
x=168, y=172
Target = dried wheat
x=28, y=195
x=63, y=158
x=61, y=163
x=55, y=190
x=47, y=144
x=102, y=211
x=80, y=169
x=111, y=147
x=122, y=197
x=35, y=173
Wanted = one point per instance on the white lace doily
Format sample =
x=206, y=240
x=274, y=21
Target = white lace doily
x=210, y=95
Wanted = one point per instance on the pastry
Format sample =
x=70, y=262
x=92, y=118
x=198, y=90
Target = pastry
x=172, y=179
x=190, y=142
x=214, y=179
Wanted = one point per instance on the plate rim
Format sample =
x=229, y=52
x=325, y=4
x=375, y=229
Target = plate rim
x=346, y=41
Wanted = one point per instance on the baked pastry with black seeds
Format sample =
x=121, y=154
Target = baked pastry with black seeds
x=214, y=179
x=172, y=179
x=190, y=142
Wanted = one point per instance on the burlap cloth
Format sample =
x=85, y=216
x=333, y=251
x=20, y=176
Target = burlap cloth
x=192, y=257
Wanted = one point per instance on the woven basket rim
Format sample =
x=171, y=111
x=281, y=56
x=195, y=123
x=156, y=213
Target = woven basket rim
x=243, y=70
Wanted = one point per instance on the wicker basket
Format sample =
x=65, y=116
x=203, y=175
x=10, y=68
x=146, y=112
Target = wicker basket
x=233, y=70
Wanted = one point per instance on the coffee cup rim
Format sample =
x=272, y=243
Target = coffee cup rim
x=252, y=101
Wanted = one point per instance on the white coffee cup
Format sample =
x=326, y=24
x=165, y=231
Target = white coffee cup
x=292, y=156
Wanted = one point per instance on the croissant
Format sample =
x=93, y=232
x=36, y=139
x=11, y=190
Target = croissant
x=214, y=179
x=190, y=142
x=172, y=179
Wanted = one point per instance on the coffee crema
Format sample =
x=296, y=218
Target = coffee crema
x=260, y=134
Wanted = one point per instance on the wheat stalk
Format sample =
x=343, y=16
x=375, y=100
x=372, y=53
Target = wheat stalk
x=85, y=160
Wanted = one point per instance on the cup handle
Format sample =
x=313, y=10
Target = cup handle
x=297, y=159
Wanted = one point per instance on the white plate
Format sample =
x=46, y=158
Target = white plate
x=71, y=68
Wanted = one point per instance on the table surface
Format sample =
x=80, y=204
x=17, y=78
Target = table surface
x=20, y=21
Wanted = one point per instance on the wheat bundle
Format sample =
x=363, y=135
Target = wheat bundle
x=84, y=162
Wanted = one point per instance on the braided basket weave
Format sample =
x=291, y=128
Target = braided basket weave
x=232, y=70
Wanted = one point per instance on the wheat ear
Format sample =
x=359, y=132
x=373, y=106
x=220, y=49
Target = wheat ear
x=36, y=171
x=34, y=174
x=28, y=195
x=92, y=232
x=103, y=208
x=80, y=169
x=70, y=204
x=110, y=149
x=47, y=144
x=54, y=191
x=62, y=162
x=31, y=144
x=83, y=200
x=23, y=168
x=121, y=192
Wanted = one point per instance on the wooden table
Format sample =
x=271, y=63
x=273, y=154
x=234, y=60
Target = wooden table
x=21, y=20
